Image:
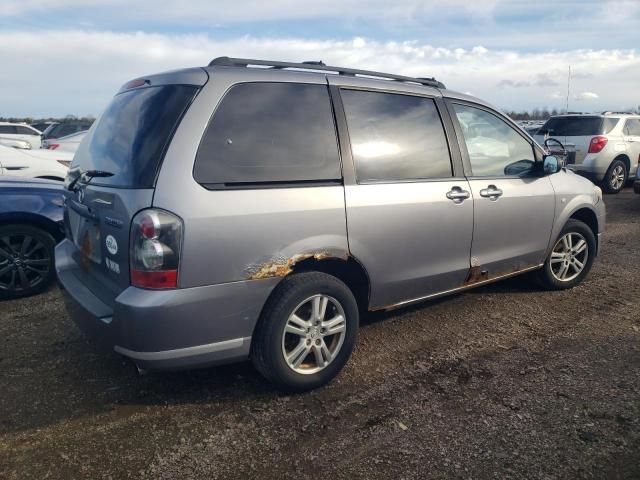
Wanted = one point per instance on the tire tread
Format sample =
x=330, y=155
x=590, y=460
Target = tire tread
x=287, y=289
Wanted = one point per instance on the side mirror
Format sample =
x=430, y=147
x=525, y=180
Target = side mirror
x=551, y=165
x=521, y=167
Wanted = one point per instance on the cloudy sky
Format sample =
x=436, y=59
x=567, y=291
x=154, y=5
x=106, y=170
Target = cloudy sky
x=70, y=56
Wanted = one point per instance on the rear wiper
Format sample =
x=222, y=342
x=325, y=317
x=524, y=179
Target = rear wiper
x=89, y=174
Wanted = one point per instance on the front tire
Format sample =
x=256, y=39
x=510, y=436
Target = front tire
x=306, y=332
x=26, y=260
x=616, y=177
x=570, y=259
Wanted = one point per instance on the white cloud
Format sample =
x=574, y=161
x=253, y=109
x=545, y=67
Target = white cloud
x=586, y=96
x=81, y=77
x=256, y=10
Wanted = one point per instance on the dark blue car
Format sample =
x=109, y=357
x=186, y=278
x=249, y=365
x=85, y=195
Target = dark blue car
x=30, y=227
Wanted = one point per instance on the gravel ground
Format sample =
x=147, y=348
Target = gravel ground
x=503, y=381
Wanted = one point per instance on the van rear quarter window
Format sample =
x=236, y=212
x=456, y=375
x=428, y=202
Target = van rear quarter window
x=131, y=136
x=270, y=132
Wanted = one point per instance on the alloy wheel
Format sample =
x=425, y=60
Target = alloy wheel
x=616, y=179
x=314, y=334
x=569, y=256
x=24, y=262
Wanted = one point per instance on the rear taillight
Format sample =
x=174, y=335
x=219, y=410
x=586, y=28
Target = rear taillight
x=597, y=144
x=156, y=238
x=53, y=146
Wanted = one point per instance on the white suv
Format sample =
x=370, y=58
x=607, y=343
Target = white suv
x=37, y=163
x=602, y=147
x=19, y=131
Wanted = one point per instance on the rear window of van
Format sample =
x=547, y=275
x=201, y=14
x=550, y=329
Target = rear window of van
x=133, y=133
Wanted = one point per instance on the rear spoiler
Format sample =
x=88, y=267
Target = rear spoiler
x=187, y=76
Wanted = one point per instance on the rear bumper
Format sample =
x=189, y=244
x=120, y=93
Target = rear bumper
x=594, y=177
x=593, y=166
x=166, y=329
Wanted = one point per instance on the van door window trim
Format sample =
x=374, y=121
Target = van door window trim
x=348, y=161
x=450, y=102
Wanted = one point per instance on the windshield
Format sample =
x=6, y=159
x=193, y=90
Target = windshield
x=574, y=126
x=132, y=134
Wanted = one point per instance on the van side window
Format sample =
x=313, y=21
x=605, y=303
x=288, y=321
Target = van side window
x=494, y=147
x=270, y=132
x=395, y=137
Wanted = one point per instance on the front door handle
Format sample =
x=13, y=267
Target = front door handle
x=491, y=192
x=458, y=195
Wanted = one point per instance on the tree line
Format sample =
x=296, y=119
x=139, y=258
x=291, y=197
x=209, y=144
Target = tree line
x=544, y=113
x=30, y=120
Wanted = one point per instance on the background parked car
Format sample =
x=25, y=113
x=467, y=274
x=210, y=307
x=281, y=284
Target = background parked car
x=531, y=129
x=65, y=144
x=42, y=126
x=34, y=163
x=30, y=227
x=17, y=131
x=607, y=146
x=60, y=130
x=15, y=143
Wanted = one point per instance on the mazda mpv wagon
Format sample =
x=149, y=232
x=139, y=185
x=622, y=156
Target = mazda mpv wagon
x=254, y=210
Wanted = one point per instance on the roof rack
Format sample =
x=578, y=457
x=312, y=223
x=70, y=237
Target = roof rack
x=616, y=113
x=320, y=66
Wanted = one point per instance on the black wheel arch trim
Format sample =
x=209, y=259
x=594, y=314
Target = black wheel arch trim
x=55, y=229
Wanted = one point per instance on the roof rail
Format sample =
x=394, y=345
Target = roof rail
x=616, y=113
x=320, y=66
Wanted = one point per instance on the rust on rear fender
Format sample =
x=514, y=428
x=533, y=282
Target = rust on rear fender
x=283, y=266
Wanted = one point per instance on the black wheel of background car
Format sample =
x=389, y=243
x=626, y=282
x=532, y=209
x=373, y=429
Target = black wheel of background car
x=306, y=332
x=570, y=259
x=26, y=260
x=616, y=177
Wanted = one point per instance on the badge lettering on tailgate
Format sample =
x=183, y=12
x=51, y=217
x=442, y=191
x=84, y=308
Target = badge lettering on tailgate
x=113, y=266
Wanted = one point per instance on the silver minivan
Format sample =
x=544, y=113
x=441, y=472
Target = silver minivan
x=255, y=210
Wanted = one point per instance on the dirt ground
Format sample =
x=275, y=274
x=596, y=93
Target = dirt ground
x=504, y=381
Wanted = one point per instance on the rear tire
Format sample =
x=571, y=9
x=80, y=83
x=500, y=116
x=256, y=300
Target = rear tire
x=27, y=263
x=571, y=258
x=616, y=177
x=306, y=332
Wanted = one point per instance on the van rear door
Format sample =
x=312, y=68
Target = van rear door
x=113, y=176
